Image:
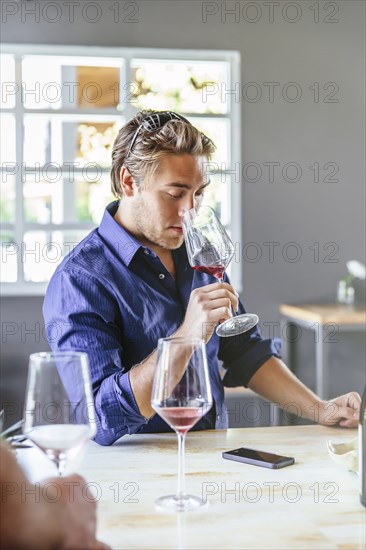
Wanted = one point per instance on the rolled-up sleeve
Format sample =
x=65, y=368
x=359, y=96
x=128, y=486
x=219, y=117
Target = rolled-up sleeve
x=72, y=322
x=242, y=355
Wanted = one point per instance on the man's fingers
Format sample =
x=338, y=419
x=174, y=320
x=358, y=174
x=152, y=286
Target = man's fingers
x=224, y=294
x=347, y=416
x=220, y=303
x=354, y=401
x=346, y=412
x=348, y=423
x=218, y=286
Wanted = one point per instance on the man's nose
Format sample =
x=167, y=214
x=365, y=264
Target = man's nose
x=188, y=204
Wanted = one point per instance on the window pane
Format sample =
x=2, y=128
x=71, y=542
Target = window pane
x=66, y=201
x=183, y=86
x=219, y=131
x=7, y=198
x=8, y=258
x=7, y=78
x=7, y=140
x=41, y=80
x=70, y=82
x=43, y=251
x=92, y=198
x=37, y=131
x=67, y=149
x=98, y=87
x=38, y=199
x=94, y=141
x=217, y=195
x=69, y=139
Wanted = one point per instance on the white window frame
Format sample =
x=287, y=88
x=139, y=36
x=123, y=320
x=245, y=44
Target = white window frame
x=23, y=288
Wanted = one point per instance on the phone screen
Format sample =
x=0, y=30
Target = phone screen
x=259, y=458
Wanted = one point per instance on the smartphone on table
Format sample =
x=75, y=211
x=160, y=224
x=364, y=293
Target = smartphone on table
x=258, y=458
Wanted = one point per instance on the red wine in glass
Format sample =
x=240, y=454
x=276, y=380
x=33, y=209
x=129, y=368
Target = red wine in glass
x=214, y=270
x=207, y=259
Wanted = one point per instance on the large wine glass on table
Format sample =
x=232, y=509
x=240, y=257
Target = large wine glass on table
x=181, y=395
x=210, y=250
x=59, y=419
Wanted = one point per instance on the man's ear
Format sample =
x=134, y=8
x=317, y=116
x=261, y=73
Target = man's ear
x=127, y=182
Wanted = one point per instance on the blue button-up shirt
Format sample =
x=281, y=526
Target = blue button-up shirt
x=112, y=298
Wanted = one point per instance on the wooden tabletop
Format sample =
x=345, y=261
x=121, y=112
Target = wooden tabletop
x=313, y=504
x=325, y=313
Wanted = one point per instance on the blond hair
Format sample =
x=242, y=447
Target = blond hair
x=176, y=137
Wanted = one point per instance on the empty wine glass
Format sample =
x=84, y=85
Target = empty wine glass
x=210, y=250
x=59, y=419
x=181, y=395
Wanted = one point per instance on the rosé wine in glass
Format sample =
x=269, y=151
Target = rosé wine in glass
x=181, y=395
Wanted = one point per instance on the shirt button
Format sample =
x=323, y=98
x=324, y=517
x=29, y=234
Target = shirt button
x=161, y=276
x=146, y=251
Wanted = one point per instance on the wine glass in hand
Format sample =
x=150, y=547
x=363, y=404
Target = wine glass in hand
x=181, y=395
x=57, y=419
x=210, y=250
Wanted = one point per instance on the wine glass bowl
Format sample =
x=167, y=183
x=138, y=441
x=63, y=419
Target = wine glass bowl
x=181, y=395
x=59, y=418
x=210, y=250
x=209, y=247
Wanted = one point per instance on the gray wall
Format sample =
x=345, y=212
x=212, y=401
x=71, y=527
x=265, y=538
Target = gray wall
x=307, y=131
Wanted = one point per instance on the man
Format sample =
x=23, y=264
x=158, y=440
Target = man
x=129, y=283
x=55, y=514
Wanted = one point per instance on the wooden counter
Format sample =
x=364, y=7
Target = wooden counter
x=313, y=504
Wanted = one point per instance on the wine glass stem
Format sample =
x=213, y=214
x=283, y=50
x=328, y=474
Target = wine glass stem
x=221, y=280
x=60, y=463
x=181, y=478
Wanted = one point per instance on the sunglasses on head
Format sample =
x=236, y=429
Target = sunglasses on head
x=155, y=122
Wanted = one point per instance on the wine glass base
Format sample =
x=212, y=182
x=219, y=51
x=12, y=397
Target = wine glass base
x=171, y=503
x=237, y=325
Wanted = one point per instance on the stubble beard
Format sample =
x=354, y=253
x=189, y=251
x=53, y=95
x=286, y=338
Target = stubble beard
x=146, y=226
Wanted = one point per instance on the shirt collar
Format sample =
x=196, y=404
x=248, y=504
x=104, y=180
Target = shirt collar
x=116, y=236
x=122, y=242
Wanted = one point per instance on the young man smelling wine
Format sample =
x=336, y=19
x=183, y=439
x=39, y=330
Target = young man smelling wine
x=129, y=283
